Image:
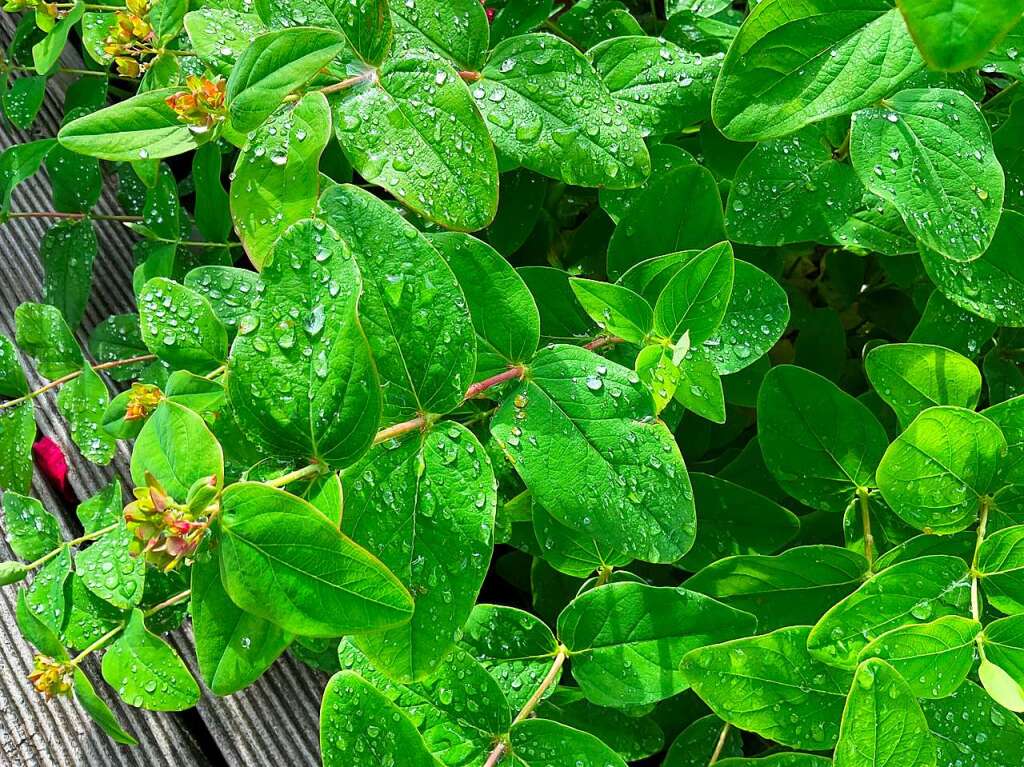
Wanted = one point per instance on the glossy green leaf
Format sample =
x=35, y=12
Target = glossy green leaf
x=770, y=685
x=457, y=29
x=936, y=473
x=913, y=377
x=972, y=729
x=619, y=477
x=143, y=127
x=17, y=433
x=631, y=737
x=1001, y=569
x=547, y=109
x=504, y=312
x=99, y=711
x=934, y=658
x=566, y=550
x=230, y=291
x=180, y=327
x=950, y=201
x=47, y=51
x=789, y=67
x=794, y=588
x=662, y=88
x=110, y=572
x=954, y=36
x=219, y=36
x=274, y=65
x=882, y=722
x=414, y=130
x=626, y=640
x=327, y=587
x=539, y=742
x=695, y=745
x=411, y=302
x=819, y=443
x=42, y=333
x=146, y=672
x=694, y=301
x=426, y=509
x=83, y=402
x=301, y=379
x=366, y=24
x=616, y=309
x=177, y=448
x=67, y=251
x=917, y=591
x=275, y=182
x=31, y=531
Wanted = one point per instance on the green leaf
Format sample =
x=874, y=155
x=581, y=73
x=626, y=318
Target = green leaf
x=1001, y=569
x=656, y=366
x=755, y=319
x=593, y=459
x=47, y=595
x=457, y=29
x=539, y=742
x=631, y=737
x=275, y=182
x=146, y=672
x=12, y=378
x=99, y=711
x=414, y=130
x=118, y=338
x=179, y=326
x=35, y=631
x=219, y=36
x=340, y=589
x=22, y=99
x=274, y=65
x=882, y=722
x=47, y=51
x=695, y=299
x=212, y=205
x=566, y=550
x=426, y=508
x=166, y=18
x=18, y=163
x=952, y=36
x=735, y=520
x=652, y=224
x=1002, y=645
x=459, y=710
x=819, y=443
x=31, y=530
x=350, y=727
x=42, y=333
x=233, y=647
x=142, y=127
x=770, y=685
x=788, y=759
x=546, y=109
x=789, y=67
x=662, y=88
x=992, y=286
x=514, y=646
x=67, y=251
x=76, y=180
x=911, y=592
x=626, y=640
x=83, y=401
x=300, y=378
x=957, y=722
x=110, y=572
x=999, y=684
x=950, y=201
x=411, y=301
x=934, y=658
x=935, y=474
x=230, y=291
x=792, y=189
x=617, y=310
x=366, y=24
x=17, y=433
x=913, y=377
x=504, y=312
x=699, y=389
x=177, y=448
x=794, y=588
x=12, y=572
x=103, y=509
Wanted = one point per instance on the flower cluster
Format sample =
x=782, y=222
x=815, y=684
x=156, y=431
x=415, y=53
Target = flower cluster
x=130, y=39
x=165, y=532
x=202, y=106
x=142, y=401
x=51, y=677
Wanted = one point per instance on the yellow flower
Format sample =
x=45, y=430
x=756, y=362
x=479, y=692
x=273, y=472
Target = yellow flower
x=51, y=677
x=142, y=401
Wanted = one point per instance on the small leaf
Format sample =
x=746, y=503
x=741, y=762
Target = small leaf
x=616, y=309
x=179, y=326
x=43, y=334
x=457, y=29
x=83, y=402
x=146, y=672
x=99, y=711
x=31, y=530
x=951, y=36
x=177, y=448
x=67, y=251
x=539, y=742
x=110, y=572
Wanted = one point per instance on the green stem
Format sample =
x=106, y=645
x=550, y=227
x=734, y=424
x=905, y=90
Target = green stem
x=76, y=216
x=865, y=518
x=982, y=527
x=76, y=542
x=367, y=76
x=103, y=640
x=69, y=71
x=91, y=7
x=501, y=746
x=72, y=376
x=293, y=476
x=197, y=243
x=720, y=744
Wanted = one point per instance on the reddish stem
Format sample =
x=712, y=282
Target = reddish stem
x=602, y=341
x=481, y=386
x=469, y=76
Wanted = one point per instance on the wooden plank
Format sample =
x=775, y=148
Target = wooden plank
x=275, y=722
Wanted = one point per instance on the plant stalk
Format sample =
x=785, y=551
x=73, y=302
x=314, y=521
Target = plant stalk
x=72, y=376
x=865, y=517
x=720, y=744
x=293, y=476
x=73, y=216
x=77, y=541
x=982, y=527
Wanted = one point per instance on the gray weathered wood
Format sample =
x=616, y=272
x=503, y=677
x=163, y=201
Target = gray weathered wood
x=275, y=722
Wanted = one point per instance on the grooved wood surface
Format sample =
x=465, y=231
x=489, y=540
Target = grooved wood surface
x=274, y=722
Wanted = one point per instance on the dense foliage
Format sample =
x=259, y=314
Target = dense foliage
x=780, y=243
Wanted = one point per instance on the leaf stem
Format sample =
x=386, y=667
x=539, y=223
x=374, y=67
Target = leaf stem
x=102, y=641
x=77, y=541
x=72, y=376
x=556, y=666
x=720, y=744
x=982, y=527
x=481, y=386
x=75, y=216
x=370, y=75
x=293, y=476
x=67, y=71
x=865, y=518
x=602, y=341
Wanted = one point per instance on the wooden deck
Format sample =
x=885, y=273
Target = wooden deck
x=274, y=722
